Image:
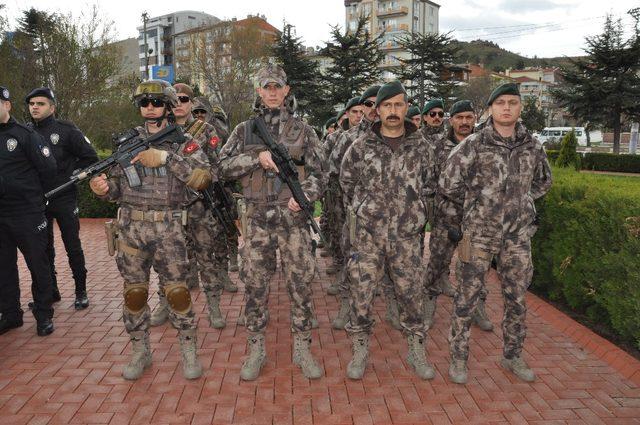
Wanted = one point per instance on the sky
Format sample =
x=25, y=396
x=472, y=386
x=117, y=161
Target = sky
x=542, y=28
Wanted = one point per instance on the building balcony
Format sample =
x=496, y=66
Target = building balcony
x=396, y=11
x=394, y=28
x=390, y=45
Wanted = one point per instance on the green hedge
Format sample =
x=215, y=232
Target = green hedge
x=611, y=162
x=587, y=249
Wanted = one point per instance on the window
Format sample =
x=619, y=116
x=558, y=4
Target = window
x=191, y=17
x=353, y=25
x=152, y=33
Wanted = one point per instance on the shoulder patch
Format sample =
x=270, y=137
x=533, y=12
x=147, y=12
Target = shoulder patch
x=12, y=144
x=190, y=147
x=45, y=151
x=214, y=141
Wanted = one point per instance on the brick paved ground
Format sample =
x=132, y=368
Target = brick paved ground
x=73, y=376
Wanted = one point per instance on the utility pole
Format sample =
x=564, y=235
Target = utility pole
x=145, y=18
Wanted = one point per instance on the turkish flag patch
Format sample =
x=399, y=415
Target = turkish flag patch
x=213, y=142
x=190, y=147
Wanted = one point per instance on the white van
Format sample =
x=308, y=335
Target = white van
x=555, y=134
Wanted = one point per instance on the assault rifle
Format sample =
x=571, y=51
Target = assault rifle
x=128, y=145
x=218, y=201
x=288, y=172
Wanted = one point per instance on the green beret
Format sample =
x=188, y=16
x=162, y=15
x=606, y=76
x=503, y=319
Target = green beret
x=354, y=101
x=413, y=111
x=390, y=89
x=433, y=103
x=370, y=92
x=329, y=122
x=506, y=88
x=461, y=106
x=340, y=114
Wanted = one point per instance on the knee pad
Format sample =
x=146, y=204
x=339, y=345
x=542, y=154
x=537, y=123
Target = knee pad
x=178, y=297
x=135, y=297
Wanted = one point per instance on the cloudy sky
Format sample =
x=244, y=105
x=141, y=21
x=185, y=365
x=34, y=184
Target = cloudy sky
x=544, y=28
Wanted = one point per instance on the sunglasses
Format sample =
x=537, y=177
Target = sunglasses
x=184, y=99
x=369, y=103
x=433, y=114
x=156, y=103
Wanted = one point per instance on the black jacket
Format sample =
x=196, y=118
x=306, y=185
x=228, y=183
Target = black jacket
x=71, y=150
x=26, y=164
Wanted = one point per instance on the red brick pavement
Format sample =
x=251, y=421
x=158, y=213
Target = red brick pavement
x=73, y=376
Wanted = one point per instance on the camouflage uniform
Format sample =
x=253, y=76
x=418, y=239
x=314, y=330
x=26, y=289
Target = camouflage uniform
x=331, y=198
x=270, y=225
x=387, y=191
x=151, y=233
x=489, y=184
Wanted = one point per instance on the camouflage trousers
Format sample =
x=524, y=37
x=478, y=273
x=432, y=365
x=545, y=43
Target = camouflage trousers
x=441, y=250
x=515, y=270
x=370, y=256
x=271, y=228
x=337, y=218
x=161, y=245
x=232, y=246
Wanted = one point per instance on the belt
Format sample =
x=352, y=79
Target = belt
x=155, y=216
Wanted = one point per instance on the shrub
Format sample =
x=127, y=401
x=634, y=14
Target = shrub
x=611, y=162
x=552, y=155
x=568, y=156
x=587, y=248
x=89, y=205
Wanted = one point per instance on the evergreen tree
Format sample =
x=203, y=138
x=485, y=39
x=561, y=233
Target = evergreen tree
x=604, y=88
x=355, y=58
x=302, y=72
x=532, y=117
x=568, y=156
x=426, y=72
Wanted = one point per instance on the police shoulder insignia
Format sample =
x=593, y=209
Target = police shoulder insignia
x=213, y=142
x=190, y=147
x=55, y=138
x=12, y=144
x=45, y=151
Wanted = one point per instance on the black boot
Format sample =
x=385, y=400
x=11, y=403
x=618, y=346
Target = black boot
x=82, y=301
x=7, y=323
x=44, y=327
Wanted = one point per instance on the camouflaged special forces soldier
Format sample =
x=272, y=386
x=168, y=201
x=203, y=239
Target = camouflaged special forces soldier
x=433, y=117
x=206, y=235
x=150, y=228
x=273, y=219
x=415, y=116
x=490, y=182
x=441, y=247
x=387, y=176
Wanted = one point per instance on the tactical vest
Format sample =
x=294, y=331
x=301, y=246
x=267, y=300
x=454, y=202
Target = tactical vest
x=160, y=189
x=265, y=187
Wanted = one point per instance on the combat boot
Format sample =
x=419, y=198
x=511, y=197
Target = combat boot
x=331, y=269
x=458, y=371
x=519, y=367
x=191, y=367
x=302, y=356
x=341, y=320
x=160, y=314
x=334, y=288
x=140, y=355
x=314, y=323
x=257, y=357
x=417, y=358
x=358, y=363
x=233, y=262
x=445, y=286
x=480, y=318
x=429, y=310
x=229, y=285
x=392, y=316
x=216, y=320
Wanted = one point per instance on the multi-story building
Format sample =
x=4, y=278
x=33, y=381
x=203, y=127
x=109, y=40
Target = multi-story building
x=536, y=83
x=160, y=45
x=393, y=18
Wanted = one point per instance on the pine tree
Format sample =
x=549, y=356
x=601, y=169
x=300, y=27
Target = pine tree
x=568, y=156
x=427, y=69
x=604, y=88
x=532, y=117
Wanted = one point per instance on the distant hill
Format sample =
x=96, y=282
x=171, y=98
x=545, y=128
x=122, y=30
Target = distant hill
x=498, y=59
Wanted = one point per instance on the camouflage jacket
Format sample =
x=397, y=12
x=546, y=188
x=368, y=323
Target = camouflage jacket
x=387, y=190
x=239, y=159
x=433, y=134
x=489, y=185
x=162, y=187
x=343, y=143
x=328, y=144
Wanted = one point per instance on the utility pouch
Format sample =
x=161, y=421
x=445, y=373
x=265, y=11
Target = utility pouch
x=464, y=248
x=110, y=230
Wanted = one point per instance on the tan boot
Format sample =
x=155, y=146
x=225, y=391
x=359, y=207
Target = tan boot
x=520, y=368
x=358, y=363
x=445, y=286
x=480, y=317
x=257, y=357
x=191, y=367
x=458, y=371
x=417, y=359
x=229, y=285
x=341, y=320
x=429, y=311
x=392, y=315
x=140, y=355
x=334, y=288
x=160, y=314
x=216, y=320
x=302, y=356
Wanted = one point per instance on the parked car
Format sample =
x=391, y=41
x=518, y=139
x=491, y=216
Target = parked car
x=555, y=135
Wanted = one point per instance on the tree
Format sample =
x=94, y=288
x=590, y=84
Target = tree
x=426, y=71
x=604, y=88
x=226, y=58
x=303, y=74
x=568, y=156
x=532, y=117
x=355, y=58
x=478, y=91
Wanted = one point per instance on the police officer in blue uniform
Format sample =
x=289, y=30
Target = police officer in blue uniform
x=26, y=163
x=72, y=151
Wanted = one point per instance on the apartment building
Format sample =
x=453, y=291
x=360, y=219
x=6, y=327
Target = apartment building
x=393, y=18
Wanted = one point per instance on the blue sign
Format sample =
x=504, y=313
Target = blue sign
x=163, y=72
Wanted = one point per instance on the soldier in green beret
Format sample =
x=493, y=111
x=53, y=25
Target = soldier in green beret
x=414, y=115
x=433, y=116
